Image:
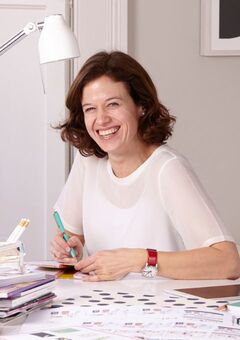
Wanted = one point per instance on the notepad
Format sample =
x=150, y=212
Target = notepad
x=49, y=264
x=211, y=292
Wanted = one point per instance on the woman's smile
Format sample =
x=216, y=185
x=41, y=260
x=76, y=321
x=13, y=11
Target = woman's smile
x=108, y=133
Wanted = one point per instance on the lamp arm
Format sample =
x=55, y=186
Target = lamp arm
x=29, y=28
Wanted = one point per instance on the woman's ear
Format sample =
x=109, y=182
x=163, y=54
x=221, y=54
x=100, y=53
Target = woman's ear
x=141, y=111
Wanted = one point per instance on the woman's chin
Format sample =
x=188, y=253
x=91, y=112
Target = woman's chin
x=108, y=145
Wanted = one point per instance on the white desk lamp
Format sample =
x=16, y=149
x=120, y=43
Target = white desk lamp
x=56, y=42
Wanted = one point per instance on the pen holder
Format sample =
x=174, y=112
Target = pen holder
x=11, y=257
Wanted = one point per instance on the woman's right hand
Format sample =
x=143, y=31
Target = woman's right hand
x=60, y=249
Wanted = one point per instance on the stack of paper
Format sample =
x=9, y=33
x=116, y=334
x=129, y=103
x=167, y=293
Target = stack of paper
x=24, y=292
x=49, y=267
x=11, y=257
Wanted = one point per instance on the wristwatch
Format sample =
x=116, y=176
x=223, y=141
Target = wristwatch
x=151, y=267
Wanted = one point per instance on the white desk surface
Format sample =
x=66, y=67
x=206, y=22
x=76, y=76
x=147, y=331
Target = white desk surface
x=134, y=284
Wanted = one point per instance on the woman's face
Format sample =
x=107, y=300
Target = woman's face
x=111, y=116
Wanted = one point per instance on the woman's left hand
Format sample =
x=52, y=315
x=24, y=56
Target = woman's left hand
x=112, y=264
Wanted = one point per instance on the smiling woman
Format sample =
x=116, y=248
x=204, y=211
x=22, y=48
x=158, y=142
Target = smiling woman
x=124, y=169
x=154, y=127
x=111, y=118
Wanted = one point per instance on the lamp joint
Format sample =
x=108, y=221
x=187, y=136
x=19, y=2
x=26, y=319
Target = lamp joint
x=30, y=27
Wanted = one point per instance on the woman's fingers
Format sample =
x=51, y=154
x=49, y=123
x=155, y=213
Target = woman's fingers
x=69, y=260
x=74, y=242
x=81, y=265
x=105, y=265
x=60, y=243
x=89, y=269
x=60, y=249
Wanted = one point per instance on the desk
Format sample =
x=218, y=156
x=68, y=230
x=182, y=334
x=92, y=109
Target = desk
x=95, y=294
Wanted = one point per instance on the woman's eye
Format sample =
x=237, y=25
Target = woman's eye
x=88, y=109
x=113, y=104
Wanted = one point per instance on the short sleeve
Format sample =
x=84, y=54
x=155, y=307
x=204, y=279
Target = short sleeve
x=187, y=204
x=69, y=203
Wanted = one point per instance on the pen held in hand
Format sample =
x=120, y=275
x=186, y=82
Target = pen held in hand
x=62, y=229
x=66, y=238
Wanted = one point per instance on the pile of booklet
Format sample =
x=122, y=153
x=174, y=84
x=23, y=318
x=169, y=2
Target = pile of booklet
x=21, y=290
x=24, y=292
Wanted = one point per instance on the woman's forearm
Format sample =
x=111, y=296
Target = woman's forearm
x=220, y=261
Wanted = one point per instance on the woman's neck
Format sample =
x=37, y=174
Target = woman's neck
x=124, y=165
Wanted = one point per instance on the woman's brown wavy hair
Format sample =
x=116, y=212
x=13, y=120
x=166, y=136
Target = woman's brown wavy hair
x=155, y=126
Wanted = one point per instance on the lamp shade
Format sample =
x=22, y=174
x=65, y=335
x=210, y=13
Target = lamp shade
x=57, y=41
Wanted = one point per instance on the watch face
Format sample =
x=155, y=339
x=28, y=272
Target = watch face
x=150, y=271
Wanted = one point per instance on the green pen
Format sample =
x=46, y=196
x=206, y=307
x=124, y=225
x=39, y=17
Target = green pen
x=62, y=229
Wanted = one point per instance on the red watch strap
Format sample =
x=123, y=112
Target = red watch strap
x=152, y=257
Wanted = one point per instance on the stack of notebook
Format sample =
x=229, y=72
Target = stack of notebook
x=23, y=293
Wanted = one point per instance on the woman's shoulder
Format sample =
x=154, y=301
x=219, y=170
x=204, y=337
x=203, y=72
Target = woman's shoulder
x=166, y=158
x=173, y=164
x=165, y=153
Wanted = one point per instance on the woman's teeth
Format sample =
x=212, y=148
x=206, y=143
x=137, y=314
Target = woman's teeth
x=109, y=132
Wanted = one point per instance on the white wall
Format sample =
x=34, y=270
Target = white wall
x=34, y=160
x=203, y=92
x=32, y=155
x=100, y=25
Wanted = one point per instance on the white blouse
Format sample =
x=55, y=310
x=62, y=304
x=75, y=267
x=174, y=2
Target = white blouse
x=161, y=205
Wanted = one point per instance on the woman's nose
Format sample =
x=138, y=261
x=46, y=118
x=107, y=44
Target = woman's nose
x=102, y=115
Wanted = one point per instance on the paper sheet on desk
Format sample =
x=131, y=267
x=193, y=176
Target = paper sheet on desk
x=149, y=314
x=137, y=321
x=70, y=333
